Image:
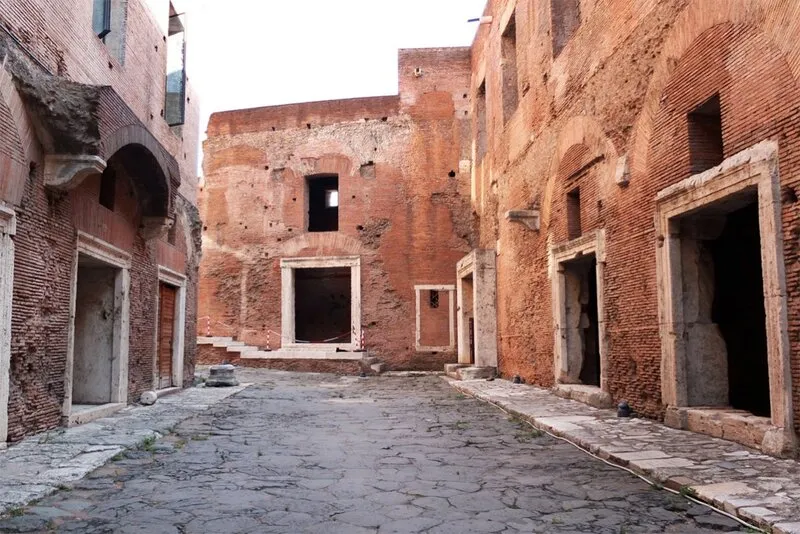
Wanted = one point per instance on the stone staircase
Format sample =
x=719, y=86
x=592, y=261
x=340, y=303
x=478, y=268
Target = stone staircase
x=228, y=349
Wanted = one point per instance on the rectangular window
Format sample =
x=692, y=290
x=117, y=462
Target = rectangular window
x=175, y=102
x=433, y=299
x=480, y=116
x=509, y=67
x=101, y=18
x=565, y=17
x=323, y=203
x=108, y=189
x=705, y=136
x=574, y=213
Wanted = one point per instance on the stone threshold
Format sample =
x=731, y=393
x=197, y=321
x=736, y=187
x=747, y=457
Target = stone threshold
x=44, y=463
x=759, y=489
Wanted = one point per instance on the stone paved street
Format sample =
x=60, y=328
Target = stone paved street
x=327, y=454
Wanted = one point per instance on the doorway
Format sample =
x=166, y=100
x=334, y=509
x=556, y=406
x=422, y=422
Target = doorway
x=723, y=301
x=323, y=305
x=583, y=341
x=167, y=300
x=96, y=326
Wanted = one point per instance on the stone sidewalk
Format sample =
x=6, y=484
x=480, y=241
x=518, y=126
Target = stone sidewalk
x=41, y=464
x=759, y=489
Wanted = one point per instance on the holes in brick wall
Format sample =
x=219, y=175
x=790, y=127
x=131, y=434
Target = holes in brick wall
x=359, y=228
x=480, y=113
x=368, y=170
x=788, y=195
x=705, y=135
x=451, y=174
x=508, y=46
x=308, y=125
x=574, y=213
x=565, y=17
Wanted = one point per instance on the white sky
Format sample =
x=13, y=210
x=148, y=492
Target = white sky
x=249, y=53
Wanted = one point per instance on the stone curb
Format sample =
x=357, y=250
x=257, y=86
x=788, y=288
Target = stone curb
x=45, y=463
x=730, y=497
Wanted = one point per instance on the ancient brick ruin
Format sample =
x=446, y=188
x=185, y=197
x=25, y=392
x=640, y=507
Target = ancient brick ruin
x=99, y=233
x=619, y=178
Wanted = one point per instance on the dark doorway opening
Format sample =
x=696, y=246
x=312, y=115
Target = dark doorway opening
x=582, y=315
x=323, y=203
x=738, y=309
x=323, y=305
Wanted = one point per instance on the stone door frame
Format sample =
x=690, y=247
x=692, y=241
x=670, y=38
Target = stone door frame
x=755, y=169
x=480, y=264
x=593, y=243
x=451, y=289
x=178, y=281
x=8, y=228
x=288, y=266
x=117, y=258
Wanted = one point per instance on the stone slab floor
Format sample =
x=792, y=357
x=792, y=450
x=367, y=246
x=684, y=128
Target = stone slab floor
x=328, y=454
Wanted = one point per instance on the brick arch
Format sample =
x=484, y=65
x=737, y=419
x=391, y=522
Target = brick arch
x=327, y=164
x=17, y=142
x=775, y=19
x=135, y=135
x=587, y=132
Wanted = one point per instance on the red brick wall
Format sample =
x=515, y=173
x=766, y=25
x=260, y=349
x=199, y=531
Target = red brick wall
x=623, y=85
x=59, y=36
x=409, y=223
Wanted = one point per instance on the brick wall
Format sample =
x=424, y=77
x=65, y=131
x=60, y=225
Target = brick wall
x=623, y=85
x=402, y=207
x=59, y=37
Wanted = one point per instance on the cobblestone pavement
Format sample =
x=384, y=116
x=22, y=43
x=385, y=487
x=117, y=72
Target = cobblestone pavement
x=761, y=489
x=40, y=464
x=327, y=454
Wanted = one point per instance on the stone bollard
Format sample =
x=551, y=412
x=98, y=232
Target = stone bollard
x=148, y=398
x=221, y=376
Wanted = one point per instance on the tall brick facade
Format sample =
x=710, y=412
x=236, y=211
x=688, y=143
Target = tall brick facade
x=77, y=115
x=640, y=135
x=403, y=208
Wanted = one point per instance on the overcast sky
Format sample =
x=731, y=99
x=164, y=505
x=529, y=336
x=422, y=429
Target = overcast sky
x=248, y=53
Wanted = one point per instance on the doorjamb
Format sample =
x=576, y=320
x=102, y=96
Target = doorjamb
x=178, y=281
x=8, y=228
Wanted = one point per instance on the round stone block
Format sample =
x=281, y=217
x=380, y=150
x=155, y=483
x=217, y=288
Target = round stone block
x=148, y=398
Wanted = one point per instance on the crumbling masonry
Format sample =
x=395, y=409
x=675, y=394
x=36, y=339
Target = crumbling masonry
x=607, y=190
x=99, y=233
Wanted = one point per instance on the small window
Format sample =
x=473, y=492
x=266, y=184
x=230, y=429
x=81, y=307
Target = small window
x=509, y=68
x=101, y=18
x=109, y=19
x=480, y=115
x=172, y=234
x=574, y=213
x=323, y=203
x=706, y=147
x=175, y=100
x=108, y=189
x=565, y=17
x=433, y=299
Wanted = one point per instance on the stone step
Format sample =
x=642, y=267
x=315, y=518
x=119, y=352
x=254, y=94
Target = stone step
x=202, y=340
x=378, y=367
x=477, y=373
x=242, y=348
x=451, y=369
x=226, y=344
x=370, y=360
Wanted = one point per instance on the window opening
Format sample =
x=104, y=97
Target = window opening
x=565, y=17
x=108, y=189
x=433, y=299
x=705, y=136
x=509, y=68
x=175, y=103
x=574, y=213
x=323, y=203
x=101, y=18
x=480, y=112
